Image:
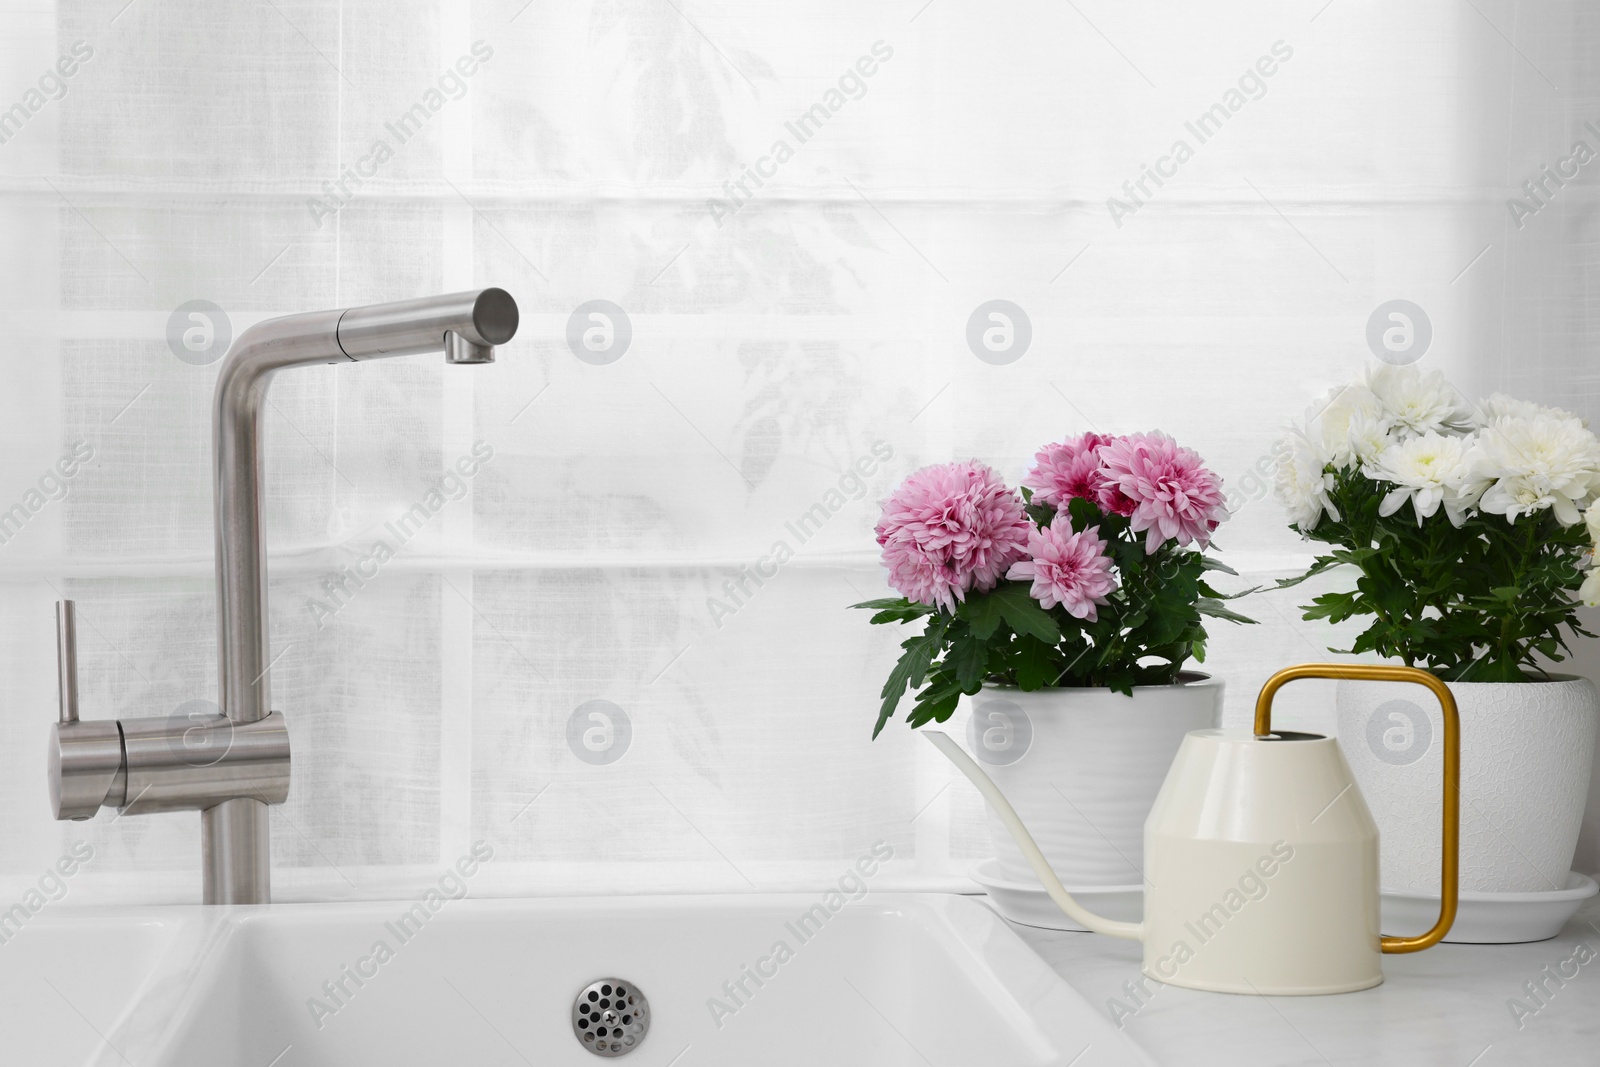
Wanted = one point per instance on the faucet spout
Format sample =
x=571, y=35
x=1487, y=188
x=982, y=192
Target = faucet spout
x=481, y=319
x=466, y=327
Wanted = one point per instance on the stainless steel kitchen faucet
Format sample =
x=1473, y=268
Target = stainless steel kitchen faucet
x=231, y=766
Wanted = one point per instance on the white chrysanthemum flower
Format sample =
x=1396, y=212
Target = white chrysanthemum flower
x=1302, y=482
x=1535, y=463
x=1417, y=403
x=1500, y=406
x=1430, y=470
x=1589, y=592
x=1367, y=439
x=1592, y=519
x=1329, y=421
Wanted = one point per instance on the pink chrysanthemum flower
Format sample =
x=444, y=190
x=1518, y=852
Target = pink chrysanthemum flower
x=1070, y=569
x=949, y=528
x=1111, y=499
x=1067, y=470
x=1174, y=496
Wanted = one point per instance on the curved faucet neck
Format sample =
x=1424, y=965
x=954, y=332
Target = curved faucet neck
x=241, y=565
x=466, y=327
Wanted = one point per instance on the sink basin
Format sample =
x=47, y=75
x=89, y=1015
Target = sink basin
x=70, y=976
x=889, y=980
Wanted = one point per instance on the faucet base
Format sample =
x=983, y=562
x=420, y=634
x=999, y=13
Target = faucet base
x=236, y=853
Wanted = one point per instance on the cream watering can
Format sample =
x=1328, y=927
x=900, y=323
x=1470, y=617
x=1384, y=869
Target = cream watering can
x=1261, y=858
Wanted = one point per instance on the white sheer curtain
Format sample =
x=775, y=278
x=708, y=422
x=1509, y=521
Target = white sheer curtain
x=777, y=337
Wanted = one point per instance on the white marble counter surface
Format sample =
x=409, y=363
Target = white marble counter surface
x=1449, y=1006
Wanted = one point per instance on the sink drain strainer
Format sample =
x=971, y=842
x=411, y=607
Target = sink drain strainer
x=610, y=1017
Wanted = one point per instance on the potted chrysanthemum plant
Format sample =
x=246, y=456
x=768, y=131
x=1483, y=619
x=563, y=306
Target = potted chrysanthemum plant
x=1064, y=614
x=1464, y=529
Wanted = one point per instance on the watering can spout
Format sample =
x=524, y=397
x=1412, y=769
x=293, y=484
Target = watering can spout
x=1030, y=851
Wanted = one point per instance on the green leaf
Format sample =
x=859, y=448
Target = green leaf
x=1217, y=565
x=969, y=656
x=1493, y=670
x=1023, y=614
x=1084, y=514
x=1336, y=607
x=939, y=707
x=913, y=666
x=1038, y=665
x=927, y=647
x=895, y=610
x=1206, y=590
x=983, y=614
x=1122, y=681
x=1322, y=565
x=1217, y=609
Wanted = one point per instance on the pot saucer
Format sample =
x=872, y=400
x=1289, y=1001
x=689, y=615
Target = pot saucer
x=1489, y=918
x=1027, y=904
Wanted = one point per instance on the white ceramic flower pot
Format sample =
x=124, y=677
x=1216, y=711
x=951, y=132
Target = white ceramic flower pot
x=1526, y=754
x=1082, y=768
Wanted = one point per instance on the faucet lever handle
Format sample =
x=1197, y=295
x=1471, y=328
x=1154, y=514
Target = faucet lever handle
x=67, y=658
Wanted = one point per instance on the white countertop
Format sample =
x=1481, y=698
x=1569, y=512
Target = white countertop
x=1448, y=1006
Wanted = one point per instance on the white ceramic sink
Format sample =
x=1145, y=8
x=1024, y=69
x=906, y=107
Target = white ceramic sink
x=69, y=977
x=913, y=980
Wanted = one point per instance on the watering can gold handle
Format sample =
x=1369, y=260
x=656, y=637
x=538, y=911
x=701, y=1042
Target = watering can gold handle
x=1449, y=868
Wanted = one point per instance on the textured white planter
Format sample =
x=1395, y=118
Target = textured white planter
x=1526, y=755
x=1082, y=768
